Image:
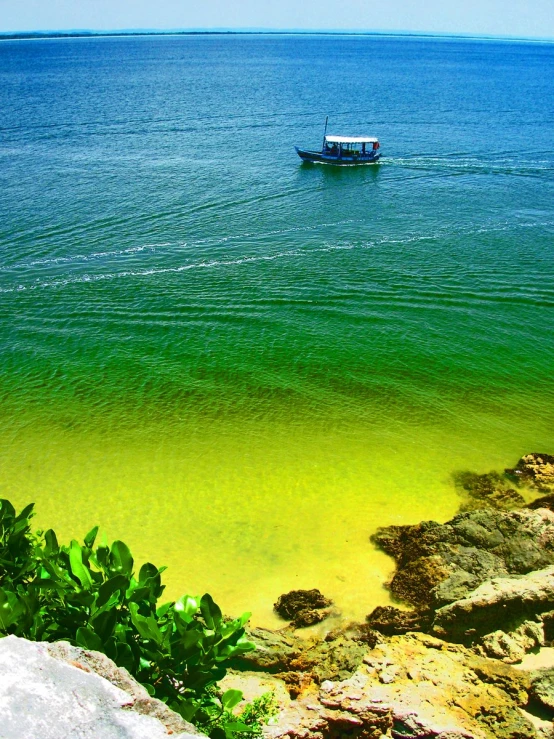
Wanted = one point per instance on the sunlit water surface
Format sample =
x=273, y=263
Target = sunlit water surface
x=242, y=365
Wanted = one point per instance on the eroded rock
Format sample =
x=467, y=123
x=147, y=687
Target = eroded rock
x=511, y=647
x=506, y=601
x=389, y=620
x=542, y=689
x=334, y=658
x=438, y=564
x=303, y=607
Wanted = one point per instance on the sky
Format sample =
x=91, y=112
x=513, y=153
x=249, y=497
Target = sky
x=520, y=18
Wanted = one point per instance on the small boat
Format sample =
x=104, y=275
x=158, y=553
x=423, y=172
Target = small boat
x=344, y=150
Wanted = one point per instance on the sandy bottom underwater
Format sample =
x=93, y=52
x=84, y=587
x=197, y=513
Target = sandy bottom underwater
x=246, y=509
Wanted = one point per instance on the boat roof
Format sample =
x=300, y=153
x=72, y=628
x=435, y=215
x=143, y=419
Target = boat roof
x=351, y=139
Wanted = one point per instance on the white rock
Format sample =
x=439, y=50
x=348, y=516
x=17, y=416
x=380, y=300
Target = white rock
x=46, y=698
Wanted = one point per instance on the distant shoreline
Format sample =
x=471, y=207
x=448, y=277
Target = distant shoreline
x=32, y=35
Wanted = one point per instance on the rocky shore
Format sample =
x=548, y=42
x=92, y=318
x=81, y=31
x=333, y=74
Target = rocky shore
x=468, y=652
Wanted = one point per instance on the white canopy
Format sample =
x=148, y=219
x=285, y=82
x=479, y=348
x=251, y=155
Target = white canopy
x=351, y=140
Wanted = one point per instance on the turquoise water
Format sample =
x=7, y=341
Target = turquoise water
x=242, y=365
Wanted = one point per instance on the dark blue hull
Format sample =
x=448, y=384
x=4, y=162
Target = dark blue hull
x=317, y=157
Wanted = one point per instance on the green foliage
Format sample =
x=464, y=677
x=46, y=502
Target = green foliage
x=246, y=724
x=91, y=597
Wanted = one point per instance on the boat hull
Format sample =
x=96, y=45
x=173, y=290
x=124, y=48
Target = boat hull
x=316, y=157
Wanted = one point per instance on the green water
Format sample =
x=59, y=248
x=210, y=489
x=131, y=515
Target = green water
x=240, y=365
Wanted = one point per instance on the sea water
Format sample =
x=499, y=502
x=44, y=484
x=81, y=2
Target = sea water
x=242, y=365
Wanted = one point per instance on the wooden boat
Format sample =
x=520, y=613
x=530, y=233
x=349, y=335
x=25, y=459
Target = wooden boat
x=343, y=150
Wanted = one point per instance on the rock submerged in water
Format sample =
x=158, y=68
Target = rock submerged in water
x=303, y=607
x=490, y=490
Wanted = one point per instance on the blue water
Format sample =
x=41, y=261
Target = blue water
x=201, y=334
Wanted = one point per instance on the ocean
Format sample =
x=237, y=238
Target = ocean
x=242, y=365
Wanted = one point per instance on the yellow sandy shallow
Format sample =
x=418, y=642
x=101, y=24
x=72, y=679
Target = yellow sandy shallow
x=248, y=510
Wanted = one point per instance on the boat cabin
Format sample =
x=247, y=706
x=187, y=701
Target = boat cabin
x=349, y=146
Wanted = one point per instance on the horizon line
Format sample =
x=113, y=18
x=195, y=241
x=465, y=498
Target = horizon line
x=81, y=33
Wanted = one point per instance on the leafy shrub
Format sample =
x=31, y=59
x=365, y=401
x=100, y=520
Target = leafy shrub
x=91, y=597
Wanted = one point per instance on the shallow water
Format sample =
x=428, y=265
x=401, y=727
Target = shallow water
x=242, y=365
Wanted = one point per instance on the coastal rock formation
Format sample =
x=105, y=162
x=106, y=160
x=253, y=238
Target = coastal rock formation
x=303, y=607
x=48, y=691
x=438, y=564
x=536, y=470
x=506, y=601
x=392, y=621
x=334, y=658
x=407, y=686
x=511, y=646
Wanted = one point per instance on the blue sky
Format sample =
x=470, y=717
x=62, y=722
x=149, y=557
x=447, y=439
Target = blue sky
x=522, y=18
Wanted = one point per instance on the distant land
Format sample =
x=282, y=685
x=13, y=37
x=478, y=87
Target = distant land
x=78, y=33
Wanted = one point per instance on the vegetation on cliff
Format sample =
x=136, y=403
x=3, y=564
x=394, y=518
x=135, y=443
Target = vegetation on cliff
x=91, y=596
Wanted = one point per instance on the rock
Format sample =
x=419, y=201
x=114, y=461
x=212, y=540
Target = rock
x=542, y=688
x=49, y=691
x=275, y=651
x=546, y=501
x=389, y=620
x=512, y=647
x=509, y=601
x=438, y=564
x=320, y=659
x=487, y=491
x=409, y=686
x=303, y=607
x=536, y=470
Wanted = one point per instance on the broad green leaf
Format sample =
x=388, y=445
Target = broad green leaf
x=122, y=561
x=231, y=698
x=147, y=571
x=51, y=546
x=11, y=609
x=90, y=538
x=115, y=583
x=227, y=651
x=86, y=638
x=102, y=555
x=162, y=610
x=26, y=513
x=146, y=626
x=104, y=623
x=78, y=569
x=210, y=611
x=6, y=509
x=244, y=618
x=187, y=604
x=189, y=639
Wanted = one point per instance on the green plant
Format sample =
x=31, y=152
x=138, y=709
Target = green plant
x=91, y=597
x=247, y=724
